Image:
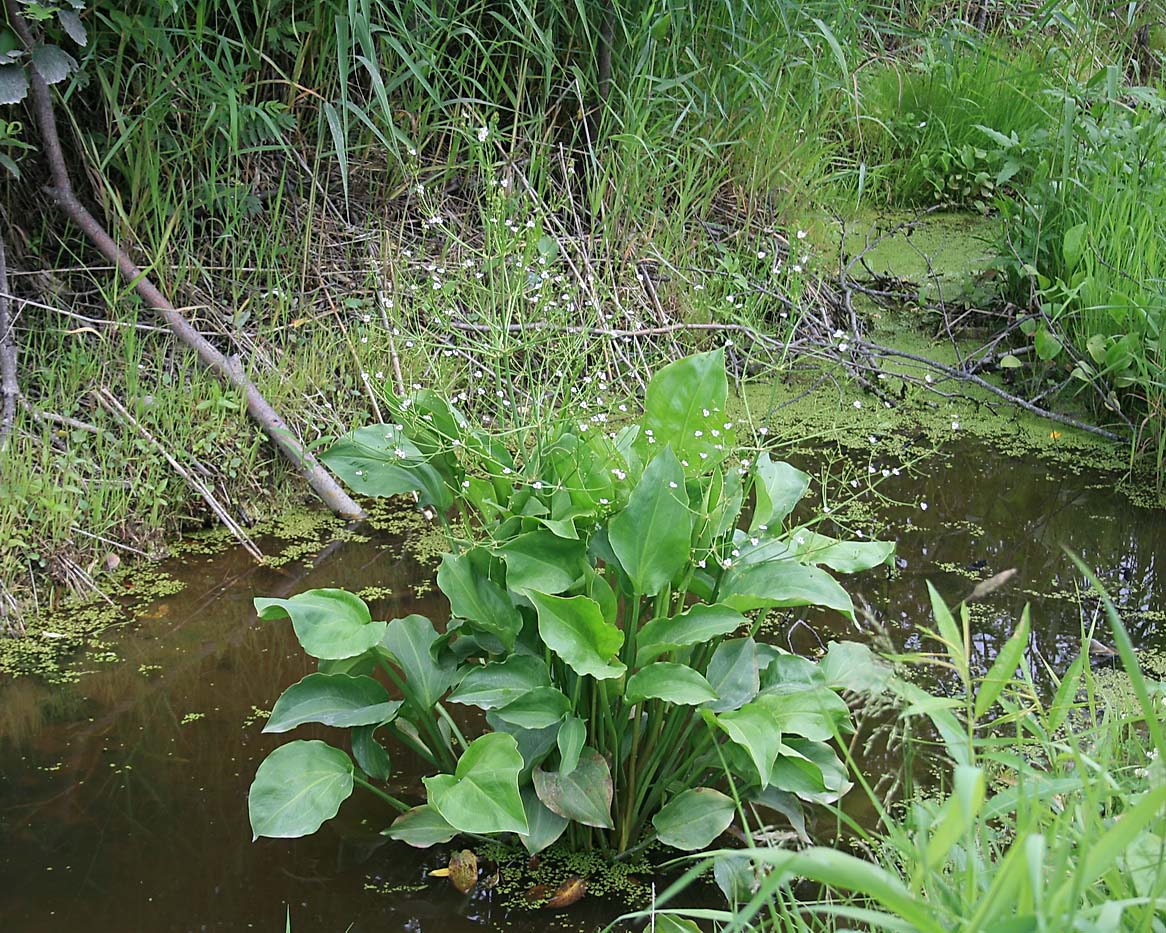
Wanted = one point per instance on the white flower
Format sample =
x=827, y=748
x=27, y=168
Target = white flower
x=483, y=133
x=923, y=506
x=801, y=234
x=857, y=403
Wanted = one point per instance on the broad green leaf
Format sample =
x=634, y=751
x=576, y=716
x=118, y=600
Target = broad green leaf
x=1047, y=345
x=842, y=556
x=421, y=828
x=74, y=28
x=409, y=641
x=501, y=682
x=816, y=713
x=1008, y=361
x=783, y=672
x=53, y=63
x=778, y=488
x=734, y=673
x=481, y=796
x=13, y=84
x=571, y=739
x=474, y=596
x=826, y=765
x=533, y=744
x=370, y=755
x=379, y=460
x=574, y=629
x=850, y=665
x=652, y=536
x=684, y=408
x=584, y=795
x=543, y=561
x=694, y=818
x=1003, y=669
x=782, y=583
x=297, y=788
x=546, y=826
x=673, y=683
x=755, y=729
x=334, y=700
x=699, y=624
x=536, y=709
x=329, y=623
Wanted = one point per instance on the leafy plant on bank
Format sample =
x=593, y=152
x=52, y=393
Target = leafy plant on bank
x=598, y=585
x=1051, y=816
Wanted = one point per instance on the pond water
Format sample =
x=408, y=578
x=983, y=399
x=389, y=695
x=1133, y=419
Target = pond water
x=123, y=794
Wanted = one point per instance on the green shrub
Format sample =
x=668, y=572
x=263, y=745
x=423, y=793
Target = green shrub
x=598, y=584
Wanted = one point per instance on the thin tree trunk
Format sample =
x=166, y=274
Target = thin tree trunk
x=258, y=407
x=9, y=387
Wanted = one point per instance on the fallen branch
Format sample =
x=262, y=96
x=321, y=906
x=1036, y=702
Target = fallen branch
x=61, y=191
x=9, y=387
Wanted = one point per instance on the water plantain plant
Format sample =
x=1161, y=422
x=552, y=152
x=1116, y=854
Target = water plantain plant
x=605, y=589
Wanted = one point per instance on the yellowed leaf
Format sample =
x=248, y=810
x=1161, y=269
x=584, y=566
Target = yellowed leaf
x=567, y=893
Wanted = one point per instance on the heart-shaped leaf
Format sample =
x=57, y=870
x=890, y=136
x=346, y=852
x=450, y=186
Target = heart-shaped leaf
x=409, y=641
x=674, y=683
x=574, y=629
x=379, y=460
x=546, y=826
x=699, y=624
x=584, y=795
x=652, y=536
x=334, y=700
x=329, y=623
x=684, y=408
x=694, y=818
x=370, y=755
x=501, y=682
x=844, y=556
x=734, y=672
x=849, y=665
x=481, y=796
x=817, y=713
x=536, y=709
x=421, y=828
x=754, y=729
x=782, y=583
x=779, y=487
x=297, y=788
x=543, y=561
x=474, y=596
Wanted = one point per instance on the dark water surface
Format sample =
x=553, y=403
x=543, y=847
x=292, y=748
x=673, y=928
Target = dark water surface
x=123, y=795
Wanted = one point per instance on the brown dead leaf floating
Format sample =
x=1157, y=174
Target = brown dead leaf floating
x=567, y=893
x=462, y=871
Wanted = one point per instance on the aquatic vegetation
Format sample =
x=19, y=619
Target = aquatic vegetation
x=1049, y=810
x=605, y=588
